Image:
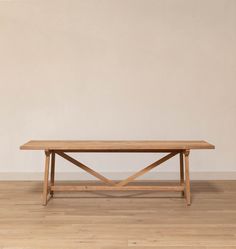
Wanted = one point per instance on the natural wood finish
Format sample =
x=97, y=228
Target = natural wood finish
x=46, y=174
x=176, y=188
x=187, y=179
x=86, y=168
x=60, y=147
x=146, y=169
x=118, y=220
x=52, y=178
x=181, y=162
x=116, y=146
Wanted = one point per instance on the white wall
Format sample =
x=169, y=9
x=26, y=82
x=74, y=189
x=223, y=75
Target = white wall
x=118, y=69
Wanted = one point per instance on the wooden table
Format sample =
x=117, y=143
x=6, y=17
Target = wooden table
x=62, y=148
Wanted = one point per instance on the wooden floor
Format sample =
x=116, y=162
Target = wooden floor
x=118, y=220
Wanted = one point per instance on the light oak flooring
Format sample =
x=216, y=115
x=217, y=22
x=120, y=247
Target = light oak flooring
x=109, y=220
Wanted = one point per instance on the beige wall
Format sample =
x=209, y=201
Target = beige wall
x=119, y=69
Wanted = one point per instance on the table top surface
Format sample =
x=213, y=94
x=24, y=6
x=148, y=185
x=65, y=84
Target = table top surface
x=116, y=145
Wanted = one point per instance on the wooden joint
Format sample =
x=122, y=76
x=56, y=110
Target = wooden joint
x=186, y=152
x=47, y=152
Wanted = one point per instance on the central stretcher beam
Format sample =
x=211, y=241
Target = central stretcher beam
x=176, y=188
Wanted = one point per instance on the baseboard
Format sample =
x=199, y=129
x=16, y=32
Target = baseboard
x=34, y=176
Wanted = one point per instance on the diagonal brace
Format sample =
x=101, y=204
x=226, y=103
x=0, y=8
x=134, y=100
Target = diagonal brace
x=146, y=169
x=86, y=168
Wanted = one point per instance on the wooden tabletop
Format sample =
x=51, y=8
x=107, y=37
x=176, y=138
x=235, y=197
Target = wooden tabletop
x=115, y=146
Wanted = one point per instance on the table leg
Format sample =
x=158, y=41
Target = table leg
x=46, y=174
x=52, y=177
x=181, y=159
x=187, y=180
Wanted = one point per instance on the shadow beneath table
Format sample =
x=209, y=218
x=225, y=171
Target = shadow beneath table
x=204, y=186
x=207, y=186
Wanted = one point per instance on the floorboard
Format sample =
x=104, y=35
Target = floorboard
x=118, y=220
